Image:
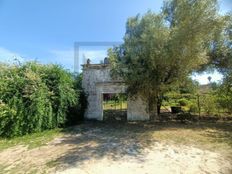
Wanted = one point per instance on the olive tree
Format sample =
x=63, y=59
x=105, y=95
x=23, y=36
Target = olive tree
x=161, y=50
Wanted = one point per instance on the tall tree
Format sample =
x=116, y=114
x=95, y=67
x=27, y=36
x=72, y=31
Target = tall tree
x=220, y=51
x=160, y=50
x=220, y=54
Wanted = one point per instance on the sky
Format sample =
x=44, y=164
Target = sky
x=47, y=30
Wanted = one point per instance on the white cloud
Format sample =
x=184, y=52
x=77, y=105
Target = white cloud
x=95, y=55
x=66, y=57
x=203, y=78
x=8, y=56
x=62, y=57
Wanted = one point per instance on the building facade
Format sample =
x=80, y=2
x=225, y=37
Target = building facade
x=98, y=81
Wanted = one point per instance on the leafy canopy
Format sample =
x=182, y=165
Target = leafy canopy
x=162, y=50
x=36, y=97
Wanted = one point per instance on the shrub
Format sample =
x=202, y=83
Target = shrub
x=7, y=123
x=76, y=112
x=35, y=97
x=224, y=93
x=193, y=108
x=183, y=102
x=208, y=104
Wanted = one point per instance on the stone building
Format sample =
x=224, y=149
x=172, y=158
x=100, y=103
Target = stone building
x=96, y=82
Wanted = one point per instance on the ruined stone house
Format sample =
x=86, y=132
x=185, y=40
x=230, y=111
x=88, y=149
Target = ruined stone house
x=98, y=81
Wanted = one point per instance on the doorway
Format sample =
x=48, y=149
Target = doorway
x=114, y=107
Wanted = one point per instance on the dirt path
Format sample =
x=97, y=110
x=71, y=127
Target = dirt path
x=105, y=150
x=161, y=159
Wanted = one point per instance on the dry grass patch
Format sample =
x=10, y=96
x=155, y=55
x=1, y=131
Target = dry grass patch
x=31, y=140
x=106, y=146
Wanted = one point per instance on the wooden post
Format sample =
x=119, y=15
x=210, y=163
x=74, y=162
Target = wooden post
x=198, y=105
x=115, y=104
x=121, y=103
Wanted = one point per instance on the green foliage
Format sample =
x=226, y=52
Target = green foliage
x=224, y=93
x=193, y=108
x=77, y=111
x=208, y=104
x=162, y=50
x=220, y=52
x=183, y=102
x=220, y=55
x=31, y=140
x=34, y=98
x=188, y=86
x=7, y=117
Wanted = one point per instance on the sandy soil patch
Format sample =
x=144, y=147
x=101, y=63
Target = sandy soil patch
x=105, y=149
x=161, y=159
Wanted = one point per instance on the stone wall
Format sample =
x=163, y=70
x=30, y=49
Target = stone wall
x=137, y=109
x=96, y=81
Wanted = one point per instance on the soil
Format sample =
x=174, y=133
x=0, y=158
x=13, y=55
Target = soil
x=115, y=150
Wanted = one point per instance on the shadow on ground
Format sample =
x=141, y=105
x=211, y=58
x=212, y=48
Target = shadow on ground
x=95, y=140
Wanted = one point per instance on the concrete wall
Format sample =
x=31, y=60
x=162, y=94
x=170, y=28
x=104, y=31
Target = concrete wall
x=137, y=109
x=96, y=81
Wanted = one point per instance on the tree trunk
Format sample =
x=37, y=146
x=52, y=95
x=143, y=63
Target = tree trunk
x=159, y=104
x=158, y=108
x=153, y=110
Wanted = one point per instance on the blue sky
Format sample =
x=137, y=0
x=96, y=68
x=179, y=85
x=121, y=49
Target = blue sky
x=46, y=30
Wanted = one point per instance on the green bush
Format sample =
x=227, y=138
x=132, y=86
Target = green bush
x=183, y=102
x=7, y=123
x=224, y=93
x=208, y=104
x=35, y=97
x=76, y=112
x=193, y=108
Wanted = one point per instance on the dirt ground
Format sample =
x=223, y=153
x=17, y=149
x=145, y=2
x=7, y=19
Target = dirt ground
x=97, y=148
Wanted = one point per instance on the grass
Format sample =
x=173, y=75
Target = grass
x=52, y=163
x=31, y=140
x=205, y=135
x=93, y=137
x=209, y=135
x=112, y=105
x=213, y=136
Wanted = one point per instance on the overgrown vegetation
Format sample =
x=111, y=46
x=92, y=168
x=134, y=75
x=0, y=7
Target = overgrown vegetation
x=160, y=51
x=225, y=93
x=36, y=97
x=213, y=99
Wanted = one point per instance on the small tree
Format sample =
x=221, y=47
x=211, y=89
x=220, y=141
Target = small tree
x=221, y=59
x=224, y=93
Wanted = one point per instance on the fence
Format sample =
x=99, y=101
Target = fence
x=205, y=104
x=114, y=107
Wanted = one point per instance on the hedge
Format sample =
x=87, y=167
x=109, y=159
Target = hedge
x=36, y=97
